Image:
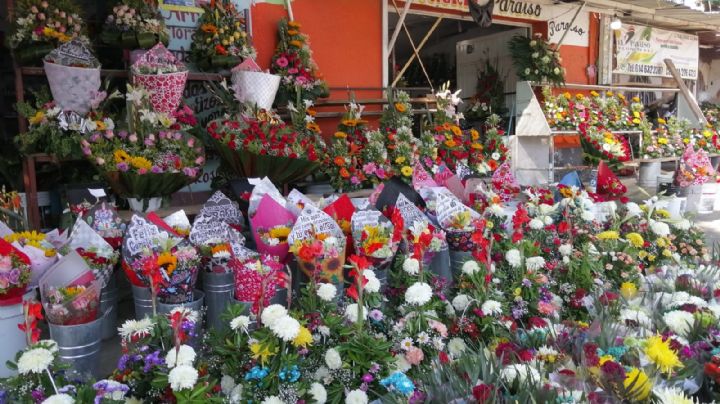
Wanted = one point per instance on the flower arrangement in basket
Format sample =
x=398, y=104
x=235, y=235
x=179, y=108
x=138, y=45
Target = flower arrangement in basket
x=154, y=158
x=163, y=76
x=536, y=60
x=259, y=144
x=40, y=26
x=14, y=274
x=257, y=280
x=70, y=292
x=134, y=24
x=293, y=62
x=221, y=40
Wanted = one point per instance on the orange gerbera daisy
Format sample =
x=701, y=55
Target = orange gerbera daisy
x=344, y=172
x=339, y=161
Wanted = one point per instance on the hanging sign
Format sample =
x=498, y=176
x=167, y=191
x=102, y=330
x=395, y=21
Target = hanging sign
x=641, y=51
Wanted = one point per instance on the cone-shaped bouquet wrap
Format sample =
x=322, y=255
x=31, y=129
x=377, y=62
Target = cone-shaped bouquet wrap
x=342, y=210
x=163, y=76
x=212, y=239
x=319, y=245
x=391, y=192
x=224, y=209
x=177, y=223
x=69, y=291
x=446, y=178
x=504, y=182
x=421, y=178
x=14, y=274
x=296, y=202
x=422, y=239
x=257, y=279
x=103, y=218
x=252, y=85
x=271, y=225
x=36, y=247
x=74, y=76
x=100, y=256
x=375, y=237
x=457, y=221
x=609, y=186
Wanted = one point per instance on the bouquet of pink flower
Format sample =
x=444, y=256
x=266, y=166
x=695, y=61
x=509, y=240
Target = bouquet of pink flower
x=257, y=280
x=14, y=274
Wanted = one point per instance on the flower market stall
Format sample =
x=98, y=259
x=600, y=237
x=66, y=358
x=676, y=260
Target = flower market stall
x=442, y=262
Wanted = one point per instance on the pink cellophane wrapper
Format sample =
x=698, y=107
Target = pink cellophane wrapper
x=268, y=215
x=504, y=183
x=446, y=178
x=421, y=178
x=166, y=90
x=248, y=283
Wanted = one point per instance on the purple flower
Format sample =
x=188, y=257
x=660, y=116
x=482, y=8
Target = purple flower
x=122, y=134
x=178, y=135
x=149, y=142
x=151, y=360
x=376, y=315
x=95, y=137
x=156, y=169
x=38, y=396
x=367, y=378
x=86, y=151
x=190, y=172
x=162, y=134
x=123, y=166
x=14, y=275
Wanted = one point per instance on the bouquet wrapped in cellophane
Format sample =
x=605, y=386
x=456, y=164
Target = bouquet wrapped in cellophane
x=257, y=280
x=319, y=245
x=70, y=292
x=100, y=256
x=14, y=274
x=36, y=246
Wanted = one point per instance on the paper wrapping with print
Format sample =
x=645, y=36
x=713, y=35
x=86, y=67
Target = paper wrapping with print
x=178, y=221
x=103, y=218
x=70, y=270
x=84, y=237
x=73, y=53
x=363, y=218
x=429, y=195
x=421, y=178
x=57, y=238
x=504, y=183
x=463, y=172
x=391, y=191
x=247, y=65
x=74, y=76
x=311, y=223
x=13, y=295
x=249, y=281
x=143, y=234
x=296, y=201
x=166, y=90
x=208, y=230
x=271, y=214
x=410, y=213
x=341, y=210
x=448, y=208
x=264, y=186
x=446, y=178
x=361, y=203
x=220, y=207
x=178, y=287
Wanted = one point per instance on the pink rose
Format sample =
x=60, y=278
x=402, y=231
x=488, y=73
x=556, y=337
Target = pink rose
x=133, y=138
x=414, y=356
x=5, y=264
x=281, y=61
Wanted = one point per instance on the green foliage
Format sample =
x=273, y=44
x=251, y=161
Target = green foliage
x=44, y=135
x=535, y=60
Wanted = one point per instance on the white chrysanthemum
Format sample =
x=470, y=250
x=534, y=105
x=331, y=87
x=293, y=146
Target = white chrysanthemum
x=418, y=293
x=59, y=399
x=351, y=312
x=637, y=316
x=187, y=313
x=491, y=308
x=318, y=393
x=588, y=216
x=184, y=356
x=679, y=322
x=286, y=328
x=682, y=224
x=35, y=360
x=456, y=347
x=513, y=258
x=271, y=313
x=136, y=328
x=633, y=209
x=240, y=323
x=536, y=224
x=535, y=263
x=470, y=267
x=227, y=384
x=411, y=266
x=235, y=396
x=715, y=309
x=183, y=377
x=660, y=228
x=460, y=302
x=671, y=395
x=332, y=359
x=49, y=344
x=525, y=374
x=272, y=400
x=565, y=249
x=356, y=397
x=326, y=292
x=373, y=283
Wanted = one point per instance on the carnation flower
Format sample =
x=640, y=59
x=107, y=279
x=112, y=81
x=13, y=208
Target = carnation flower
x=326, y=292
x=536, y=224
x=332, y=359
x=418, y=293
x=414, y=355
x=35, y=360
x=61, y=398
x=318, y=393
x=491, y=308
x=565, y=249
x=660, y=228
x=271, y=313
x=182, y=377
x=470, y=267
x=356, y=397
x=240, y=323
x=535, y=263
x=513, y=258
x=411, y=266
x=460, y=302
x=456, y=347
x=136, y=328
x=679, y=322
x=351, y=312
x=523, y=373
x=185, y=355
x=286, y=328
x=272, y=400
x=373, y=283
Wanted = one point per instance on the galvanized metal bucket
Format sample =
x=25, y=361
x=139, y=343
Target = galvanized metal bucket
x=649, y=172
x=196, y=305
x=457, y=259
x=142, y=297
x=440, y=265
x=79, y=346
x=219, y=291
x=108, y=305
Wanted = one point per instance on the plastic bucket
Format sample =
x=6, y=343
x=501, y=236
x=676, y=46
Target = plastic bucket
x=143, y=302
x=13, y=339
x=219, y=290
x=108, y=305
x=79, y=346
x=649, y=172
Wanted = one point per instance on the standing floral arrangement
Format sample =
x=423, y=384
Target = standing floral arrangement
x=293, y=61
x=135, y=24
x=221, y=40
x=42, y=25
x=396, y=123
x=536, y=60
x=163, y=76
x=345, y=164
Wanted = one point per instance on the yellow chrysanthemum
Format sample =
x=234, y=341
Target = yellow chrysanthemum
x=661, y=354
x=406, y=171
x=608, y=235
x=638, y=384
x=635, y=239
x=304, y=338
x=628, y=290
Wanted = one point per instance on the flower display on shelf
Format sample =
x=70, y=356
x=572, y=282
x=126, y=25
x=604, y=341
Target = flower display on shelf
x=536, y=60
x=293, y=62
x=40, y=26
x=163, y=76
x=134, y=24
x=601, y=144
x=154, y=156
x=221, y=40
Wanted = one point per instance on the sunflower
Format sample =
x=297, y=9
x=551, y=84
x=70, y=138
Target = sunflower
x=209, y=28
x=279, y=232
x=400, y=107
x=140, y=163
x=406, y=171
x=313, y=127
x=219, y=248
x=340, y=135
x=456, y=130
x=450, y=143
x=350, y=122
x=168, y=262
x=474, y=134
x=121, y=156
